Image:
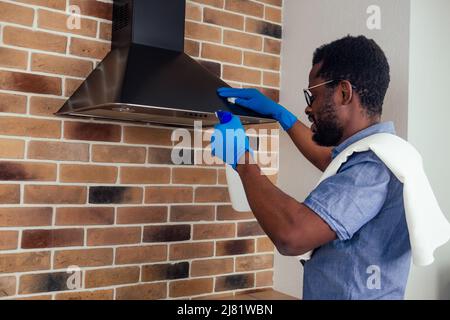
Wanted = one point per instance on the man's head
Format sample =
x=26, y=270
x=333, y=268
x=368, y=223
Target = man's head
x=357, y=73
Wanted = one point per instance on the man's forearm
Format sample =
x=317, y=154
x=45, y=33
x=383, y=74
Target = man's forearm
x=275, y=211
x=301, y=135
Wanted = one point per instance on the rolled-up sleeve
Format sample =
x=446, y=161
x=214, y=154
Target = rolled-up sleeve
x=349, y=199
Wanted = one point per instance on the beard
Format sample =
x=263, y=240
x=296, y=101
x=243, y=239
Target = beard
x=328, y=130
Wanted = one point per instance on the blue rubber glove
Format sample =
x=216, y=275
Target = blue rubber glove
x=229, y=141
x=256, y=101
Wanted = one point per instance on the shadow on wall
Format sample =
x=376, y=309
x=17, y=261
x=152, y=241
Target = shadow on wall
x=444, y=283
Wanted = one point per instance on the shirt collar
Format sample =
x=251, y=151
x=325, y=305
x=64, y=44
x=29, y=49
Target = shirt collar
x=383, y=127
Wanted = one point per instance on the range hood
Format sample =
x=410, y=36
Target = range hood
x=147, y=76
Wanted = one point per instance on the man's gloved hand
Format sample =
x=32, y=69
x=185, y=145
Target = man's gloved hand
x=256, y=101
x=229, y=142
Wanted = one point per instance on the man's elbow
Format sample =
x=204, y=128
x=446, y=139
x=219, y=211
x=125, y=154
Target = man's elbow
x=287, y=246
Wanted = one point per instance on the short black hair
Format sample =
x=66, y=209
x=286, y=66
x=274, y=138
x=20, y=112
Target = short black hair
x=360, y=61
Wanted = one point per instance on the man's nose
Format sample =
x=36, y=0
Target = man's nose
x=308, y=110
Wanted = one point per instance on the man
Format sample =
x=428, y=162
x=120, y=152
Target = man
x=354, y=220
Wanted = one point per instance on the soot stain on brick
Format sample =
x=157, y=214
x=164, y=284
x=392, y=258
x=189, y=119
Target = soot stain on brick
x=167, y=233
x=13, y=171
x=50, y=282
x=237, y=246
x=236, y=281
x=93, y=131
x=271, y=30
x=177, y=270
x=107, y=194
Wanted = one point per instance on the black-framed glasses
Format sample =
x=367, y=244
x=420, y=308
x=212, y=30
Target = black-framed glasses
x=308, y=95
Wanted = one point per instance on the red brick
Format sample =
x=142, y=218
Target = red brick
x=13, y=103
x=105, y=31
x=60, y=65
x=273, y=14
x=58, y=22
x=140, y=175
x=113, y=236
x=223, y=18
x=241, y=74
x=52, y=238
x=83, y=258
x=138, y=215
x=212, y=194
x=234, y=247
x=26, y=82
x=25, y=217
x=31, y=39
x=182, y=288
x=23, y=262
x=264, y=279
x=12, y=58
x=89, y=48
x=87, y=173
x=12, y=148
x=96, y=9
x=92, y=131
x=86, y=295
x=193, y=12
x=62, y=151
x=53, y=4
x=262, y=61
x=16, y=14
x=84, y=216
x=44, y=106
x=246, y=229
x=168, y=194
x=71, y=85
x=8, y=240
x=194, y=176
x=141, y=135
x=181, y=213
x=27, y=171
x=150, y=291
x=220, y=53
x=242, y=40
x=251, y=263
x=203, y=32
x=245, y=7
x=214, y=3
x=226, y=212
x=264, y=244
x=55, y=194
x=192, y=47
x=214, y=231
x=111, y=276
x=7, y=286
x=211, y=267
x=141, y=254
x=9, y=194
x=182, y=251
x=118, y=154
x=272, y=46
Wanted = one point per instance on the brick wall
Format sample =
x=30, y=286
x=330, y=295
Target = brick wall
x=105, y=195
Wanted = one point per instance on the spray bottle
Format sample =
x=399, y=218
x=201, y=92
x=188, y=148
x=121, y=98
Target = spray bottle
x=236, y=190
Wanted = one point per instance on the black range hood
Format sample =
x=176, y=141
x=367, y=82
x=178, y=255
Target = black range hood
x=147, y=76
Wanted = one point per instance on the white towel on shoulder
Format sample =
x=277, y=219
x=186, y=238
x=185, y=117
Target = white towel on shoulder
x=428, y=228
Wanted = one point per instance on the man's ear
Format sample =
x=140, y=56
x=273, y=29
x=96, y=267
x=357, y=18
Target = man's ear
x=346, y=91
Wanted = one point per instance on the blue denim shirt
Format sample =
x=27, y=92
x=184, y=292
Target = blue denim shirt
x=363, y=204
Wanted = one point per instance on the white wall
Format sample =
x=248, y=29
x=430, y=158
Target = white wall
x=428, y=126
x=307, y=25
